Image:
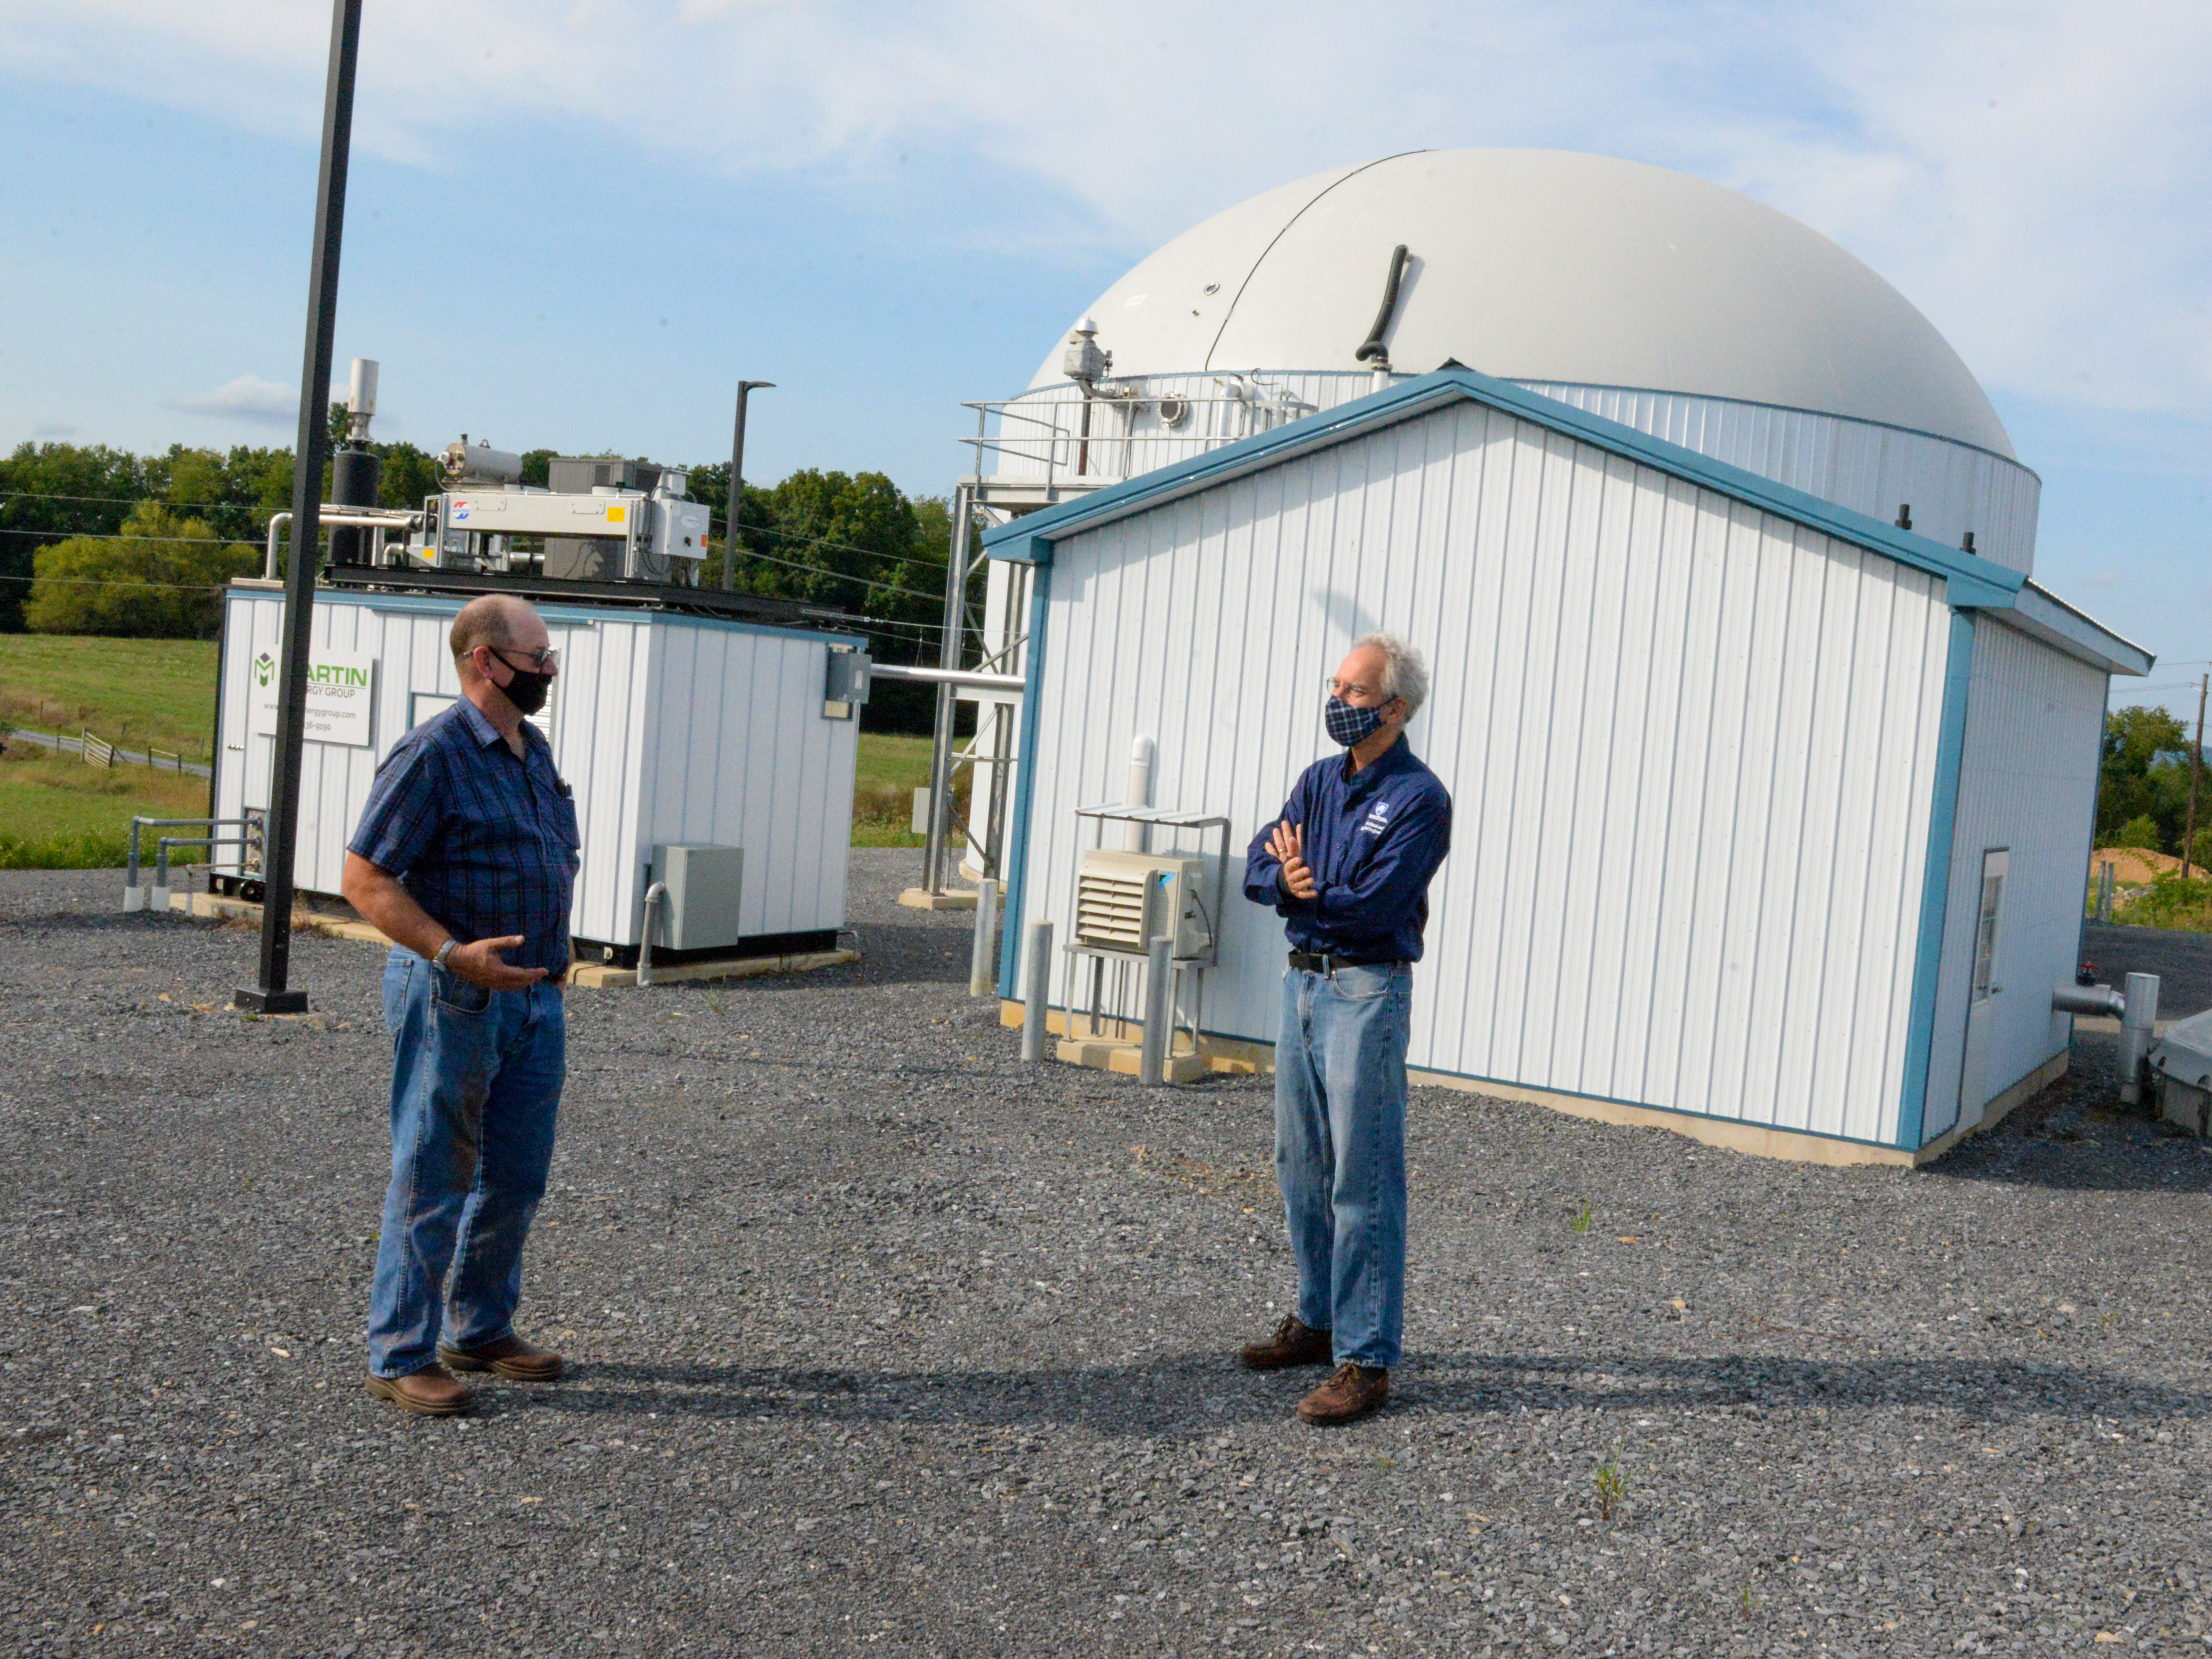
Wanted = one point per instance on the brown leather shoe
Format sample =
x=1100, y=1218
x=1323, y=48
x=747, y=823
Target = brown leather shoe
x=1351, y=1393
x=430, y=1392
x=1294, y=1343
x=509, y=1356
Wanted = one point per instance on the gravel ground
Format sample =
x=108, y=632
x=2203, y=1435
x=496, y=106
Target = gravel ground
x=885, y=1343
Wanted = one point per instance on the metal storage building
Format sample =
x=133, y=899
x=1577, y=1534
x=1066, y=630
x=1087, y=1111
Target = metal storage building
x=1743, y=771
x=672, y=728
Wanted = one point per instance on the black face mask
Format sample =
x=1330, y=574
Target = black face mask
x=528, y=689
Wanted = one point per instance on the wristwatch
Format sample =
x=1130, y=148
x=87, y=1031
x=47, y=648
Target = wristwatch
x=444, y=951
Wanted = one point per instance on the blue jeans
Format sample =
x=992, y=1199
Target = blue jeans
x=1340, y=1152
x=475, y=1085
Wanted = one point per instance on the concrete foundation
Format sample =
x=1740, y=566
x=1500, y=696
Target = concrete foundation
x=1760, y=1141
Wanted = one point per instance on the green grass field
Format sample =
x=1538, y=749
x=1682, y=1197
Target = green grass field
x=57, y=813
x=160, y=694
x=135, y=693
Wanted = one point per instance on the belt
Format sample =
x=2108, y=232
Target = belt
x=1321, y=962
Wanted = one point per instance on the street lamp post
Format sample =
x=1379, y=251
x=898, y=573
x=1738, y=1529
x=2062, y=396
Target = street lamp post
x=274, y=993
x=745, y=388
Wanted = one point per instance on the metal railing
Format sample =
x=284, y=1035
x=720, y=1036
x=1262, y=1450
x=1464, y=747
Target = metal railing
x=1068, y=448
x=137, y=896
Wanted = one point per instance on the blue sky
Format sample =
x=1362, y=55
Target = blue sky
x=576, y=225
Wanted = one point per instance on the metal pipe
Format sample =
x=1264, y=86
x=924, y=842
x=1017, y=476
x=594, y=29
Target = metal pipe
x=964, y=679
x=745, y=388
x=383, y=518
x=160, y=899
x=1159, y=1011
x=1143, y=751
x=2138, y=1025
x=133, y=897
x=1036, y=1011
x=981, y=953
x=2097, y=1000
x=1372, y=347
x=656, y=901
x=948, y=658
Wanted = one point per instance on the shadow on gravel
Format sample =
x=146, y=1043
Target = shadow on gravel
x=2121, y=1158
x=1188, y=1396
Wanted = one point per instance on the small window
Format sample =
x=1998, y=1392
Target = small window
x=1986, y=929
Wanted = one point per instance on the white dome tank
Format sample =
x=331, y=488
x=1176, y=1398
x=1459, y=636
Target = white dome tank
x=1687, y=311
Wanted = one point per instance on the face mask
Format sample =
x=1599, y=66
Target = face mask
x=1348, y=724
x=527, y=691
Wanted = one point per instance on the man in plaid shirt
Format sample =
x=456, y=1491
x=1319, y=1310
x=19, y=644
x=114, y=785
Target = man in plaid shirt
x=465, y=858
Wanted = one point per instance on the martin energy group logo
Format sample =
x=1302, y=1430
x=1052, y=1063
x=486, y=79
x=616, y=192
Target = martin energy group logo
x=264, y=670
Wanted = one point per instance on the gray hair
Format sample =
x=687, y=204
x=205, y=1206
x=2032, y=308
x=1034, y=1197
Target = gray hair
x=1404, y=674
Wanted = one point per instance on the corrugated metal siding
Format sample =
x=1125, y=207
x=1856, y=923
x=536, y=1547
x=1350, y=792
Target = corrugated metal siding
x=1952, y=488
x=654, y=751
x=756, y=766
x=2028, y=780
x=1691, y=748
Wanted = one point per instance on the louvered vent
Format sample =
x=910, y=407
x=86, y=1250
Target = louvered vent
x=1109, y=910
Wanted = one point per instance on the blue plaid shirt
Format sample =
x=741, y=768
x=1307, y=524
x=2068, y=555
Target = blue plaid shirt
x=484, y=842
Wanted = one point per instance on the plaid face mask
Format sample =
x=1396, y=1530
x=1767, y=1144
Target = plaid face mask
x=1350, y=725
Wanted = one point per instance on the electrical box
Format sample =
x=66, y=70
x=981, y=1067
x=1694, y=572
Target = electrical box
x=1122, y=899
x=704, y=886
x=846, y=686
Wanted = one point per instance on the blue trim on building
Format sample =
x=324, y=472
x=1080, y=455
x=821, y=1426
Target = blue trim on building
x=1935, y=885
x=1972, y=581
x=1017, y=842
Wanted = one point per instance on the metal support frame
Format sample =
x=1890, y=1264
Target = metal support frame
x=1159, y=991
x=274, y=993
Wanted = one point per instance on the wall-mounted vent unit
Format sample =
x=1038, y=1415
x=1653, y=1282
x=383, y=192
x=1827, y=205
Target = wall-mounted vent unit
x=1120, y=897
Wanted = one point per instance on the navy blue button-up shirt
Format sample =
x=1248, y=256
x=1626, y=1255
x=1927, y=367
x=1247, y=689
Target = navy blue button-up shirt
x=1373, y=839
x=483, y=840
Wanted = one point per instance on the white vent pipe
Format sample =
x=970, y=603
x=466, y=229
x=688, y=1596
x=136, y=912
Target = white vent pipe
x=1137, y=837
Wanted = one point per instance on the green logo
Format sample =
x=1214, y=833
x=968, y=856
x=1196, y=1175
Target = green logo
x=264, y=669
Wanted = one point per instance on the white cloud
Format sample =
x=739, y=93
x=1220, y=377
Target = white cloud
x=248, y=397
x=56, y=429
x=2032, y=173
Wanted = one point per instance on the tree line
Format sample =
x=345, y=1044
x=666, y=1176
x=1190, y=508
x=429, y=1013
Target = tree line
x=99, y=540
x=2142, y=790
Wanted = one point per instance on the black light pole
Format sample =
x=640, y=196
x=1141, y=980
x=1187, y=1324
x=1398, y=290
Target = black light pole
x=745, y=388
x=281, y=835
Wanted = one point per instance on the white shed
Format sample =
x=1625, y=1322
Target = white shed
x=672, y=728
x=1741, y=774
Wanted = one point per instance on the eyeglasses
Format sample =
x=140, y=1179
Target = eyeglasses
x=547, y=661
x=1352, y=691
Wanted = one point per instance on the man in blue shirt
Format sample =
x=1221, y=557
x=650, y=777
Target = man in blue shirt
x=465, y=858
x=1347, y=865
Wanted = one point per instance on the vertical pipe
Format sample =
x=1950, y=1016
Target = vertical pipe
x=1159, y=1013
x=745, y=388
x=2137, y=1022
x=1037, y=1002
x=1143, y=752
x=134, y=895
x=948, y=656
x=656, y=901
x=273, y=994
x=982, y=952
x=2196, y=763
